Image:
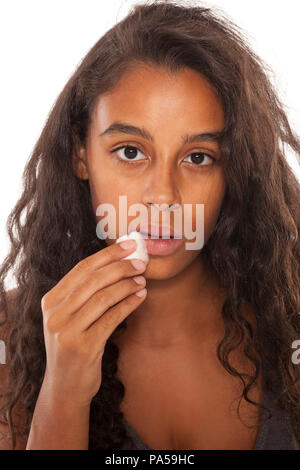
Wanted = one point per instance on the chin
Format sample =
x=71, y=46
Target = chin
x=161, y=269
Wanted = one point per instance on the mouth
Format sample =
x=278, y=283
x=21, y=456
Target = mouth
x=159, y=233
x=154, y=237
x=161, y=241
x=162, y=247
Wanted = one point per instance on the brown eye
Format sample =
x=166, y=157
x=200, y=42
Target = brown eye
x=129, y=153
x=198, y=158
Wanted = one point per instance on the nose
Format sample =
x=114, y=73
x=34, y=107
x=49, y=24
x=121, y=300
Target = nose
x=162, y=188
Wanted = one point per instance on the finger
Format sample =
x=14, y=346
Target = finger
x=103, y=328
x=92, y=285
x=93, y=262
x=102, y=301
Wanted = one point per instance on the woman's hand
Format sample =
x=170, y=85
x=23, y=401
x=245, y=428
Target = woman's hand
x=79, y=315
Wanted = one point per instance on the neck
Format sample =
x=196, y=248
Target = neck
x=177, y=309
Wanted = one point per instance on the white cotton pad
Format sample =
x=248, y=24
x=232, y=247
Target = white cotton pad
x=141, y=249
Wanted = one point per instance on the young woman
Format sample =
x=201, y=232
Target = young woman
x=170, y=106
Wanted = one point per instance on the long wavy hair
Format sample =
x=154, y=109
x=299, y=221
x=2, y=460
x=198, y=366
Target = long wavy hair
x=254, y=248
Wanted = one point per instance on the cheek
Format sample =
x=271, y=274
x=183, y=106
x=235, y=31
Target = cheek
x=212, y=200
x=104, y=191
x=211, y=214
x=106, y=188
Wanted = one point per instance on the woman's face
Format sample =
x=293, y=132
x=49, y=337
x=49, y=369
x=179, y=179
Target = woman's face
x=161, y=169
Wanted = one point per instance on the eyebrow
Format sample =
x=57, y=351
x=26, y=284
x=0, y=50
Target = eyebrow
x=121, y=127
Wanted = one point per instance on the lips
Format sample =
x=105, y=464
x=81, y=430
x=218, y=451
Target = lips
x=154, y=236
x=159, y=231
x=161, y=247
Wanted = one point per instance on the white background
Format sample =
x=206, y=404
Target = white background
x=42, y=42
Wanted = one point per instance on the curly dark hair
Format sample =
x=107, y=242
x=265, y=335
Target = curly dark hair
x=254, y=248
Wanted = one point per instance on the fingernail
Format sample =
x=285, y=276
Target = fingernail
x=141, y=292
x=139, y=279
x=127, y=244
x=138, y=264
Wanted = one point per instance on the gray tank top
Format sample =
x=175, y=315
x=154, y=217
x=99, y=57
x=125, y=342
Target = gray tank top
x=275, y=433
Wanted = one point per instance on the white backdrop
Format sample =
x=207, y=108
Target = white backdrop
x=42, y=42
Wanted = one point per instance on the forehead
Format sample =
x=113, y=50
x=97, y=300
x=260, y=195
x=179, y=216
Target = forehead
x=155, y=95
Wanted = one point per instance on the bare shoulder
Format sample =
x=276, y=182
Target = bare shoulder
x=18, y=412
